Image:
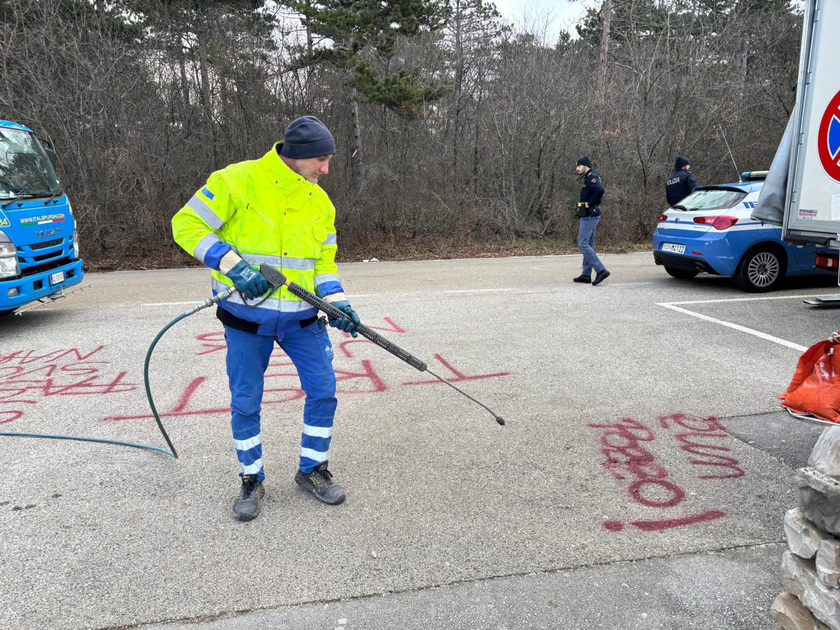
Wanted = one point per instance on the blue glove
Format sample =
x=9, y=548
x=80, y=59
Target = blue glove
x=349, y=323
x=249, y=281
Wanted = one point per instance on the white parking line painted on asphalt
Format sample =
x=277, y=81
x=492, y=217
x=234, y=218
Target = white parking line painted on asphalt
x=750, y=299
x=473, y=291
x=517, y=291
x=355, y=296
x=744, y=329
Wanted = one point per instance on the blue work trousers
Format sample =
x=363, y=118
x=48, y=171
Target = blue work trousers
x=586, y=245
x=248, y=355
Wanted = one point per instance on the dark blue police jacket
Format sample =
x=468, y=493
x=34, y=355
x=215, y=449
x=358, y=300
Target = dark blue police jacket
x=679, y=186
x=591, y=193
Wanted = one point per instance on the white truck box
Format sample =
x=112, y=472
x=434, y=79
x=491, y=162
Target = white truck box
x=812, y=208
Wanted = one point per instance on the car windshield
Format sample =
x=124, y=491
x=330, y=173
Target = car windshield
x=25, y=168
x=715, y=199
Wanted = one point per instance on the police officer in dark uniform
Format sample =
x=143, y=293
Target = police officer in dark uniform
x=589, y=213
x=681, y=184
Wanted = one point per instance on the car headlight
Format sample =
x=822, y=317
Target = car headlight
x=8, y=257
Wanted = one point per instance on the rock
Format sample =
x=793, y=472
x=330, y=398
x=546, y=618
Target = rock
x=790, y=614
x=828, y=562
x=804, y=539
x=825, y=456
x=818, y=497
x=800, y=578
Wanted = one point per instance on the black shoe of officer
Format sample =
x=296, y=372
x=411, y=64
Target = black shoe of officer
x=583, y=278
x=247, y=505
x=319, y=482
x=601, y=276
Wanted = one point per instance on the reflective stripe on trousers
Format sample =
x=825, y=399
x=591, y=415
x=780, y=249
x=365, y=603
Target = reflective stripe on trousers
x=248, y=355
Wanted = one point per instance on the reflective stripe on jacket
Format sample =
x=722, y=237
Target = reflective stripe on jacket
x=268, y=214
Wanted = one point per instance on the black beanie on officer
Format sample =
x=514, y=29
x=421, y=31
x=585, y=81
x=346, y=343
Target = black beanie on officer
x=585, y=161
x=307, y=137
x=680, y=162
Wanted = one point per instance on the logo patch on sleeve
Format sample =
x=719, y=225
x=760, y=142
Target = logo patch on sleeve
x=207, y=193
x=594, y=180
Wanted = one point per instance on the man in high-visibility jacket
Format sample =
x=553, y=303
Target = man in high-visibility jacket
x=271, y=210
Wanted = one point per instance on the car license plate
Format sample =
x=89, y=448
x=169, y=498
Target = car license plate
x=57, y=277
x=673, y=247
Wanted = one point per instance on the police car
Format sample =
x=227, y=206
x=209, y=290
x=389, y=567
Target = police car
x=711, y=231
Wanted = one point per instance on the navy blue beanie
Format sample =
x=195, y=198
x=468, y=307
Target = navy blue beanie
x=307, y=137
x=584, y=161
x=680, y=162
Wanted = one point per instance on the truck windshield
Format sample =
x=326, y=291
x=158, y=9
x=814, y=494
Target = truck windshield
x=25, y=168
x=715, y=199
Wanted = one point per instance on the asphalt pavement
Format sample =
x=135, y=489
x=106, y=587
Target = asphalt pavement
x=640, y=481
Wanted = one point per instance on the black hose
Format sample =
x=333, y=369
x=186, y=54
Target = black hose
x=208, y=302
x=172, y=452
x=87, y=439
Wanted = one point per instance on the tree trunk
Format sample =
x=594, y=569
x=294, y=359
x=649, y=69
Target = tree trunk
x=309, y=50
x=459, y=82
x=206, y=100
x=185, y=84
x=354, y=141
x=477, y=145
x=602, y=61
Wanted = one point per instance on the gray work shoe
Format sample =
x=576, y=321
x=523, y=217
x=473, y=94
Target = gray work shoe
x=319, y=482
x=247, y=505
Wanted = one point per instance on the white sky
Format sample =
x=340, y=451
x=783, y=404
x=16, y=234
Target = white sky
x=553, y=14
x=556, y=14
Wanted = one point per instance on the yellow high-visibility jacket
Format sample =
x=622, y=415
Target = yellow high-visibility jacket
x=268, y=214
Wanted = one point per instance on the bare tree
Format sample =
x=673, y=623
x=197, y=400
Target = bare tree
x=470, y=129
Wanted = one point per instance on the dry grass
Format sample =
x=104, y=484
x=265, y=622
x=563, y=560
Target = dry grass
x=383, y=249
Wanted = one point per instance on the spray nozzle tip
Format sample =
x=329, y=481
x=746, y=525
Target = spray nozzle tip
x=500, y=420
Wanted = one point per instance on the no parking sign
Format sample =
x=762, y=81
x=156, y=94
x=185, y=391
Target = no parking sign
x=828, y=139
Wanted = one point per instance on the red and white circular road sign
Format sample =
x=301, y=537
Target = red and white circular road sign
x=828, y=139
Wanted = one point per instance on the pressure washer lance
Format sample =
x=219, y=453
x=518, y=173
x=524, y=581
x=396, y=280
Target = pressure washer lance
x=276, y=279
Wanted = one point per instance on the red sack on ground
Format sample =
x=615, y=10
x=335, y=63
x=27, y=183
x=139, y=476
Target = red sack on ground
x=815, y=387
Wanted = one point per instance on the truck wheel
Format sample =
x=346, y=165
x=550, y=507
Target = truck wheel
x=9, y=312
x=761, y=269
x=682, y=274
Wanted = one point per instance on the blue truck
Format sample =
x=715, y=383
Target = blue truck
x=39, y=253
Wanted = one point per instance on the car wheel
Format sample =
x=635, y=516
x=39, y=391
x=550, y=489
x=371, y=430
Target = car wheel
x=682, y=274
x=761, y=269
